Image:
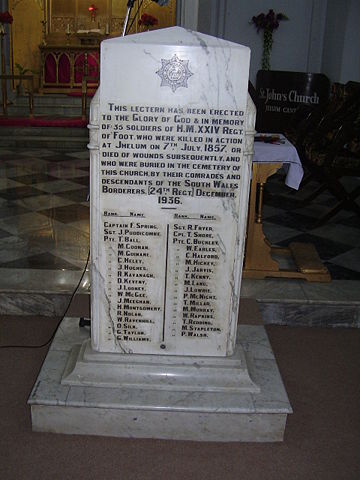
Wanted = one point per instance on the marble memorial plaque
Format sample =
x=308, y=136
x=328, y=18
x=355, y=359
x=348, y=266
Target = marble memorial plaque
x=171, y=134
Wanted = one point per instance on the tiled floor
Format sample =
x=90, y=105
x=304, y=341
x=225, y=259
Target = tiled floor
x=44, y=230
x=287, y=219
x=44, y=219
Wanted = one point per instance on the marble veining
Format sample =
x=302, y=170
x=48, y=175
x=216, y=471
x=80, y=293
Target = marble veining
x=29, y=281
x=15, y=303
x=129, y=412
x=213, y=95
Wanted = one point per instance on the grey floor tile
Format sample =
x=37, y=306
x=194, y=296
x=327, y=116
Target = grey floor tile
x=345, y=234
x=278, y=233
x=349, y=259
x=58, y=186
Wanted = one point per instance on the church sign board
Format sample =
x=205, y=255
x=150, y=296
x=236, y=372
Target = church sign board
x=280, y=94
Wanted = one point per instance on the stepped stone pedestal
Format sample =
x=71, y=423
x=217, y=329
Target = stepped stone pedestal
x=255, y=411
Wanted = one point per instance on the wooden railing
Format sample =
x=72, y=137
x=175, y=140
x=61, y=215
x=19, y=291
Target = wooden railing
x=83, y=97
x=30, y=91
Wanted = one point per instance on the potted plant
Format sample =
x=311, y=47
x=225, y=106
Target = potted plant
x=20, y=90
x=20, y=71
x=269, y=23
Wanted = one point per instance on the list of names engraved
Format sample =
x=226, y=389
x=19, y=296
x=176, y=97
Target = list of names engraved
x=130, y=245
x=169, y=186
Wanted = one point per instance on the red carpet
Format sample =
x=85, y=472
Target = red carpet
x=90, y=94
x=321, y=371
x=42, y=122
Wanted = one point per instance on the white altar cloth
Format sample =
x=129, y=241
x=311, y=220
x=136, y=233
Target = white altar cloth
x=284, y=153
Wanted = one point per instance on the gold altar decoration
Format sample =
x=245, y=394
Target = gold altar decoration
x=63, y=26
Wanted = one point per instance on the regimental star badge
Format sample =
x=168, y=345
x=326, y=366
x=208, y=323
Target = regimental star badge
x=174, y=73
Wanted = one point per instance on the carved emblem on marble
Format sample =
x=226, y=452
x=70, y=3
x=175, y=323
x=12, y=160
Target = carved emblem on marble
x=174, y=73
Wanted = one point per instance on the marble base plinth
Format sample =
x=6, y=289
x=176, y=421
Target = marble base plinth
x=86, y=367
x=134, y=409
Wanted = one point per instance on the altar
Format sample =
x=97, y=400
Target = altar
x=58, y=41
x=65, y=66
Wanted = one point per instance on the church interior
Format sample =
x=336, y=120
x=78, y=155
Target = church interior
x=49, y=73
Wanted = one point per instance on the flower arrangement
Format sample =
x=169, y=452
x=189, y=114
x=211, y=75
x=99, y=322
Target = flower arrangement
x=6, y=17
x=147, y=20
x=269, y=23
x=162, y=3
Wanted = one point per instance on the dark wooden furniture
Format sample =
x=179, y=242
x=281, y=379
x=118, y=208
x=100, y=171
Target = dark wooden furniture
x=259, y=259
x=328, y=143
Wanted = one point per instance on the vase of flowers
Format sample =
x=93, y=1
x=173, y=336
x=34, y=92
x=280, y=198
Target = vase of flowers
x=268, y=23
x=147, y=21
x=5, y=17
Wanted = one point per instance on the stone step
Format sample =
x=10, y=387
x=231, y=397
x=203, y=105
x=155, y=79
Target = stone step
x=47, y=105
x=58, y=110
x=49, y=100
x=44, y=132
x=312, y=305
x=40, y=141
x=325, y=313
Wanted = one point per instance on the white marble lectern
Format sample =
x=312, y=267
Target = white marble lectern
x=171, y=141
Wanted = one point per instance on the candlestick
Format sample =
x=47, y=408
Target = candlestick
x=43, y=23
x=107, y=29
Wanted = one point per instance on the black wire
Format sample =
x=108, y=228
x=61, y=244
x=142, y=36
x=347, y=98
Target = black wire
x=61, y=319
x=133, y=20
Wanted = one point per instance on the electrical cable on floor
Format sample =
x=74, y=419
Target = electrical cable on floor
x=61, y=319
